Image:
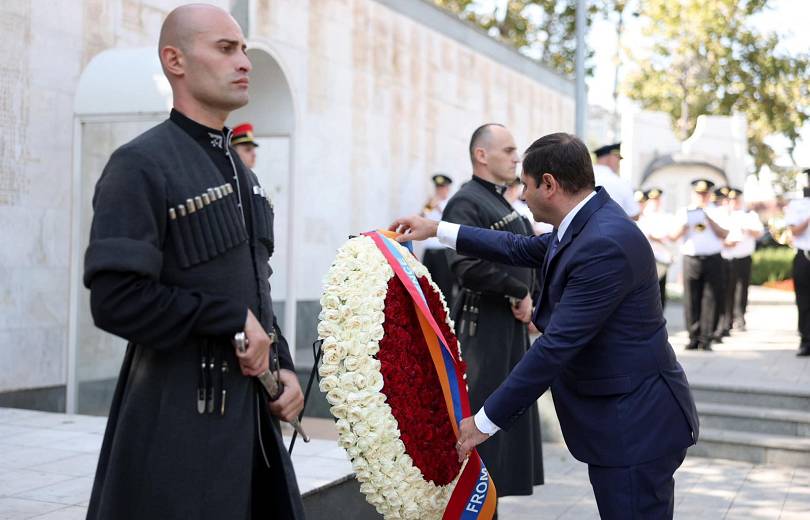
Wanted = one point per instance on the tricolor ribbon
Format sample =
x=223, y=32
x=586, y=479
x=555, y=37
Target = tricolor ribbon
x=474, y=496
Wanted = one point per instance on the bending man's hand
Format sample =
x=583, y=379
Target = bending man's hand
x=469, y=438
x=256, y=359
x=523, y=310
x=414, y=228
x=291, y=401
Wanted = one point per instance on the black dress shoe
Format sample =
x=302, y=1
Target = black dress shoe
x=707, y=347
x=803, y=352
x=717, y=339
x=691, y=346
x=726, y=333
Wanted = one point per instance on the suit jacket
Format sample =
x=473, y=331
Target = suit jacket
x=621, y=396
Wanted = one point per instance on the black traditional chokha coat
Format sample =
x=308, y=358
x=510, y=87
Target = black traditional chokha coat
x=173, y=264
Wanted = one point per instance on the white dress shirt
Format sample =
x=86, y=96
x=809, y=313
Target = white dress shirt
x=697, y=242
x=618, y=188
x=447, y=234
x=741, y=224
x=797, y=211
x=435, y=214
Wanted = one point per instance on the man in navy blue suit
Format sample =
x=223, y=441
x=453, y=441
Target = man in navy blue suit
x=622, y=398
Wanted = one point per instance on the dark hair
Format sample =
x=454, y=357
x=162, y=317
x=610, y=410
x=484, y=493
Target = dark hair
x=480, y=134
x=563, y=156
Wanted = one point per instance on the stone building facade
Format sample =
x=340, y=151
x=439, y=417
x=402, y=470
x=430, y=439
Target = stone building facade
x=355, y=103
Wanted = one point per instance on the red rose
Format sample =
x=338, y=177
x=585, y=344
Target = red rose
x=412, y=386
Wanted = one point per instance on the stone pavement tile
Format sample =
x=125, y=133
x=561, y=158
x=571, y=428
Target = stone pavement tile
x=68, y=513
x=7, y=430
x=790, y=515
x=43, y=438
x=80, y=465
x=320, y=467
x=15, y=481
x=585, y=509
x=25, y=457
x=17, y=508
x=75, y=441
x=70, y=492
x=798, y=495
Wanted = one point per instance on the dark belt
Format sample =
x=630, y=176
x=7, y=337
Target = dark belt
x=703, y=257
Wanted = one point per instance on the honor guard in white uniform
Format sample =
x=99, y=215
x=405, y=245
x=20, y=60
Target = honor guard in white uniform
x=797, y=216
x=606, y=174
x=702, y=233
x=719, y=199
x=745, y=228
x=435, y=257
x=656, y=226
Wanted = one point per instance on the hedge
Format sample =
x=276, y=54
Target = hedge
x=772, y=264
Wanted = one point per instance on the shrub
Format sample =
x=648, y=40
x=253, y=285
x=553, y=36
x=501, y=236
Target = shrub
x=772, y=264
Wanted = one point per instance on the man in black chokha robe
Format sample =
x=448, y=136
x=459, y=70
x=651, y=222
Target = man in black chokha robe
x=494, y=308
x=177, y=264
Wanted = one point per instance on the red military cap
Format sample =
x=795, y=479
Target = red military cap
x=243, y=134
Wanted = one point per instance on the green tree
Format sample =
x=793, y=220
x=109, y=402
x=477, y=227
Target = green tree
x=541, y=29
x=705, y=57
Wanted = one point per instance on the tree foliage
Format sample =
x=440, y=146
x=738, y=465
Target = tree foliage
x=706, y=57
x=541, y=29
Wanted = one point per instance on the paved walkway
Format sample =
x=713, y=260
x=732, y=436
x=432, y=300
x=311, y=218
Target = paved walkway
x=764, y=356
x=47, y=460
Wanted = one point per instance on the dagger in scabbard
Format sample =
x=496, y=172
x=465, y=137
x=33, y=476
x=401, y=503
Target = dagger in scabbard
x=269, y=379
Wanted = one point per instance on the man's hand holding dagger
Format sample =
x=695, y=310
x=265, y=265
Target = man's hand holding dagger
x=253, y=351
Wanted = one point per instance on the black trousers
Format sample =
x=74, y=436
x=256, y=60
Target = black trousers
x=725, y=319
x=703, y=290
x=738, y=281
x=662, y=285
x=801, y=282
x=436, y=262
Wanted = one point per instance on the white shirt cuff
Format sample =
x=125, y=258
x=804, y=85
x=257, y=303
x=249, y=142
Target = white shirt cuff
x=447, y=233
x=483, y=423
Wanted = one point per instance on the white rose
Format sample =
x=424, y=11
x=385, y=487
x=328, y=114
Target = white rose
x=359, y=398
x=348, y=440
x=334, y=352
x=374, y=364
x=364, y=443
x=336, y=396
x=377, y=332
x=353, y=363
x=356, y=413
x=360, y=464
x=375, y=316
x=378, y=480
x=361, y=429
x=375, y=382
x=328, y=383
x=343, y=426
x=347, y=381
x=332, y=357
x=328, y=369
x=329, y=315
x=330, y=301
x=339, y=411
x=392, y=497
x=411, y=511
x=354, y=323
x=368, y=489
x=354, y=452
x=355, y=348
x=326, y=329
